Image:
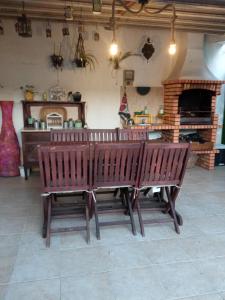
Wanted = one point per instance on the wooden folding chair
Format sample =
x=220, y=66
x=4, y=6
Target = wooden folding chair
x=69, y=135
x=115, y=166
x=102, y=135
x=163, y=166
x=64, y=170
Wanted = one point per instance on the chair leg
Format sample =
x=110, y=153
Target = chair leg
x=90, y=205
x=96, y=217
x=140, y=218
x=172, y=210
x=45, y=217
x=48, y=236
x=87, y=223
x=130, y=213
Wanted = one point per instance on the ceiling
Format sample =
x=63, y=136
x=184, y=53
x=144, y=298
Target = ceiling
x=197, y=16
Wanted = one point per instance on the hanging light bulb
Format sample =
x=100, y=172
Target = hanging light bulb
x=172, y=48
x=113, y=50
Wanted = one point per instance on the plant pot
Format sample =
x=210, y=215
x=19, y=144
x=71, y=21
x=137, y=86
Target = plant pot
x=57, y=61
x=9, y=146
x=80, y=63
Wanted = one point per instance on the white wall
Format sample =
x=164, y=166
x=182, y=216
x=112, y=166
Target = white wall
x=215, y=58
x=26, y=61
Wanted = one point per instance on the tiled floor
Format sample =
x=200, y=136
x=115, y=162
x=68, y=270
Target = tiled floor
x=161, y=266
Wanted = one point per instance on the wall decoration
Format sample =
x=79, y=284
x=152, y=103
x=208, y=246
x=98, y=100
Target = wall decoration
x=48, y=30
x=148, y=49
x=143, y=90
x=23, y=25
x=9, y=145
x=57, y=93
x=57, y=59
x=81, y=58
x=117, y=59
x=96, y=36
x=124, y=110
x=65, y=30
x=128, y=77
x=1, y=28
x=28, y=92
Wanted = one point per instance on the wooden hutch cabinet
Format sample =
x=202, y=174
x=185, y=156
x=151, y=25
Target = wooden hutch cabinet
x=32, y=137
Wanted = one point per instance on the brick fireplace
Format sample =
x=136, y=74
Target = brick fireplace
x=199, y=114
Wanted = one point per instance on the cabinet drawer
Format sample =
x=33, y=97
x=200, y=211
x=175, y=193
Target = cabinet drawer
x=36, y=136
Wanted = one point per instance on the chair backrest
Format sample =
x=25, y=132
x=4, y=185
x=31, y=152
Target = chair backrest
x=163, y=164
x=65, y=168
x=116, y=164
x=69, y=135
x=102, y=135
x=132, y=134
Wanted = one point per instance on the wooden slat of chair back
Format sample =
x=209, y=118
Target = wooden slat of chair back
x=64, y=168
x=116, y=164
x=69, y=135
x=132, y=134
x=102, y=135
x=163, y=164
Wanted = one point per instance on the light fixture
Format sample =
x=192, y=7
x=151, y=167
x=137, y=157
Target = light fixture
x=173, y=47
x=68, y=13
x=147, y=10
x=96, y=7
x=23, y=25
x=114, y=49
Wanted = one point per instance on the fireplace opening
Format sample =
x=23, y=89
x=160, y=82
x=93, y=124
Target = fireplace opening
x=195, y=106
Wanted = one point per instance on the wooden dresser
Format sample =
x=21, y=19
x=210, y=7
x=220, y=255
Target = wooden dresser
x=31, y=137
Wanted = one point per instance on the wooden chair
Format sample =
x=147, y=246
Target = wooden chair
x=64, y=170
x=102, y=135
x=69, y=135
x=132, y=134
x=115, y=166
x=163, y=166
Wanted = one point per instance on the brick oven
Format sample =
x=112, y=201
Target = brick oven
x=191, y=105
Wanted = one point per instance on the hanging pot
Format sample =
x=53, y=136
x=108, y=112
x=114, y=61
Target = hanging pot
x=80, y=63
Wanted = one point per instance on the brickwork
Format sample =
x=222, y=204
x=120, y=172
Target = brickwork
x=172, y=91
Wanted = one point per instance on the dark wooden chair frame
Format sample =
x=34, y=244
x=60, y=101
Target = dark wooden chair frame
x=116, y=165
x=163, y=166
x=64, y=170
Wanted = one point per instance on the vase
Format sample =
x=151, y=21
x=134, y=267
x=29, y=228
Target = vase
x=9, y=145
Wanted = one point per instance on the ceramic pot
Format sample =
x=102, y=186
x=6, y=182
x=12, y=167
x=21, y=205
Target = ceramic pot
x=9, y=145
x=77, y=97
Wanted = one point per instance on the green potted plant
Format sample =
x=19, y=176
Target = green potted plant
x=81, y=58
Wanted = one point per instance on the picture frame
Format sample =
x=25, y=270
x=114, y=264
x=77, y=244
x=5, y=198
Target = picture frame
x=128, y=77
x=143, y=119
